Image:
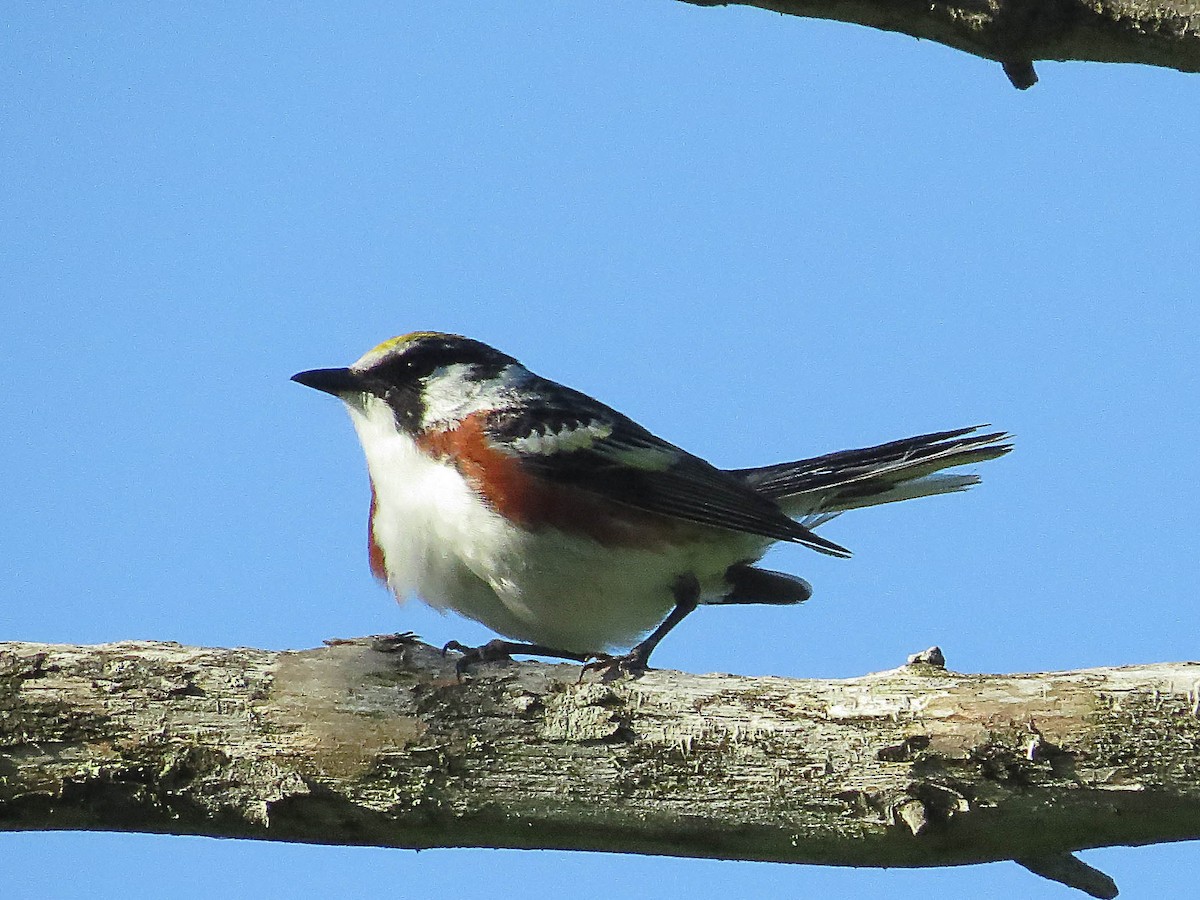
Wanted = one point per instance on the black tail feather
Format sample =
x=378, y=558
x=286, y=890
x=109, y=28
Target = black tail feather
x=878, y=469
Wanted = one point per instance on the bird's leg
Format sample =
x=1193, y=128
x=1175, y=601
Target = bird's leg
x=687, y=596
x=494, y=651
x=686, y=591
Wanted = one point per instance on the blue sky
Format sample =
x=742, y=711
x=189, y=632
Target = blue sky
x=762, y=237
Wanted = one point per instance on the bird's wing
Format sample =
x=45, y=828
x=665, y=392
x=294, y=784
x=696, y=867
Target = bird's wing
x=569, y=438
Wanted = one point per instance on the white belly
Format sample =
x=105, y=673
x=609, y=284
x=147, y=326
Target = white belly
x=442, y=544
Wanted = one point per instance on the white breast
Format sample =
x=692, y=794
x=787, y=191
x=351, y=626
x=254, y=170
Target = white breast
x=434, y=533
x=442, y=543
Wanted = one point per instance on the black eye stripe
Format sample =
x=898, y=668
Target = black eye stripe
x=407, y=406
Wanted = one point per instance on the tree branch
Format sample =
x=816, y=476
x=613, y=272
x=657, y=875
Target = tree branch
x=348, y=744
x=1016, y=33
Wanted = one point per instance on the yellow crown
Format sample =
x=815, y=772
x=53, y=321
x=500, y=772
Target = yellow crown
x=396, y=344
x=393, y=343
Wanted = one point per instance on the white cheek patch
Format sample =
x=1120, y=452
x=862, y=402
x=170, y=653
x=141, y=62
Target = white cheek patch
x=452, y=393
x=577, y=436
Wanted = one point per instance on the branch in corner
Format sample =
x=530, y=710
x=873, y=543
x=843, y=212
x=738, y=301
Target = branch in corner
x=1016, y=33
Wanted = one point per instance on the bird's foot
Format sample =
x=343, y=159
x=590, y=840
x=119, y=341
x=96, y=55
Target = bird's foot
x=632, y=665
x=637, y=661
x=382, y=643
x=492, y=651
x=393, y=643
x=502, y=651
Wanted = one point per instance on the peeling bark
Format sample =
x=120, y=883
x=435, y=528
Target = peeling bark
x=348, y=744
x=1017, y=33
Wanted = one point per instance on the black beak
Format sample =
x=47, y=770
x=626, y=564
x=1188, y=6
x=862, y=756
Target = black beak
x=331, y=381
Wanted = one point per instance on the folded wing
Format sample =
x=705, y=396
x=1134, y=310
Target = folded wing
x=570, y=438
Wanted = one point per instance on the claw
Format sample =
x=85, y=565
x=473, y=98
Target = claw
x=631, y=664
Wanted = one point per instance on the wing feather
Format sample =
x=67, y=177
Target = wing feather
x=570, y=438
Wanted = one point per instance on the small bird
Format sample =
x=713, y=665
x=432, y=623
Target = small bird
x=561, y=523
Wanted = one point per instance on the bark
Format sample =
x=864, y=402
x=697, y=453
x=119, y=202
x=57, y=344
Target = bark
x=349, y=744
x=1017, y=33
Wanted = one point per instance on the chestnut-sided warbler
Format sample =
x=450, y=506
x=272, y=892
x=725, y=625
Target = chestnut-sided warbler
x=556, y=520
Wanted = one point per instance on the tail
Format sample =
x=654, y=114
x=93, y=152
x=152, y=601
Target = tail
x=815, y=490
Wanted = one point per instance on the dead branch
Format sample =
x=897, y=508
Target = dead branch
x=349, y=744
x=1017, y=33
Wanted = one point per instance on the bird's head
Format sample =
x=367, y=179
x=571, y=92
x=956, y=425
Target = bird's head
x=416, y=374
